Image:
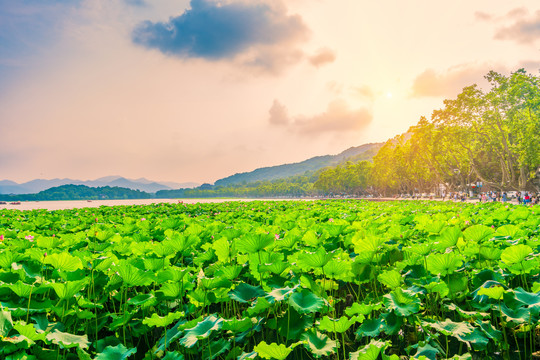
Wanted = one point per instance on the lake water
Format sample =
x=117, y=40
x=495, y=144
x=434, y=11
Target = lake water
x=77, y=204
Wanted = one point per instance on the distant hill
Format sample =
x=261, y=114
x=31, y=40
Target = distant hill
x=142, y=184
x=358, y=153
x=79, y=192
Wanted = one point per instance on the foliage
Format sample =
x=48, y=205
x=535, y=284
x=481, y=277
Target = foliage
x=271, y=280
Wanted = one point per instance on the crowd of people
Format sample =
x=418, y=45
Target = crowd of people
x=525, y=198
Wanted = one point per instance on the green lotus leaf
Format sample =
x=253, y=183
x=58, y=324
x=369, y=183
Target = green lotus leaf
x=516, y=254
x=133, y=276
x=306, y=302
x=280, y=294
x=318, y=343
x=66, y=340
x=172, y=289
x=237, y=325
x=371, y=351
x=275, y=268
x=315, y=260
x=370, y=327
x=47, y=242
x=362, y=309
x=230, y=272
x=391, y=323
x=467, y=314
x=311, y=238
x=427, y=351
x=449, y=237
x=216, y=349
x=336, y=325
x=64, y=262
x=517, y=315
x=9, y=257
x=118, y=352
x=489, y=330
x=173, y=355
x=249, y=355
x=524, y=267
x=450, y=328
x=490, y=253
x=68, y=289
x=223, y=250
x=402, y=302
x=367, y=244
x=260, y=305
x=512, y=231
x=252, y=243
x=390, y=278
x=335, y=269
x=527, y=298
x=144, y=300
x=29, y=331
x=443, y=264
x=154, y=264
x=421, y=249
x=245, y=293
x=478, y=233
x=21, y=289
x=6, y=323
x=206, y=283
x=272, y=351
x=437, y=287
x=476, y=338
x=201, y=331
x=434, y=227
x=163, y=321
x=494, y=292
x=173, y=334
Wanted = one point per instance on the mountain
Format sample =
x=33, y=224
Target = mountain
x=142, y=184
x=79, y=192
x=358, y=153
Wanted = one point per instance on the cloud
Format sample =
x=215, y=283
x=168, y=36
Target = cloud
x=480, y=15
x=338, y=118
x=322, y=57
x=524, y=31
x=259, y=33
x=278, y=114
x=365, y=92
x=449, y=83
x=140, y=3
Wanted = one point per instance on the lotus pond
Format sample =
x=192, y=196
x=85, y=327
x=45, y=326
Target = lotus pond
x=271, y=280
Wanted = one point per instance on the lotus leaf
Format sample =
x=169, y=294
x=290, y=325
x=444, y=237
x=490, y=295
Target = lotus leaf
x=272, y=351
x=515, y=254
x=391, y=278
x=118, y=352
x=245, y=293
x=443, y=264
x=478, y=233
x=336, y=325
x=371, y=351
x=370, y=327
x=402, y=302
x=201, y=331
x=66, y=340
x=319, y=344
x=252, y=243
x=63, y=262
x=306, y=302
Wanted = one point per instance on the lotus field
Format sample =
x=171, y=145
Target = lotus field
x=271, y=280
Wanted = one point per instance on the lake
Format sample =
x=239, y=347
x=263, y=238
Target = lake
x=77, y=204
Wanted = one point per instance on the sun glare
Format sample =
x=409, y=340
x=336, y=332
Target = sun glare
x=389, y=95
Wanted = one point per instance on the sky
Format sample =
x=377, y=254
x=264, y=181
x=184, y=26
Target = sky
x=179, y=90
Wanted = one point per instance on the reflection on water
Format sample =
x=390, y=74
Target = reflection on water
x=76, y=204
